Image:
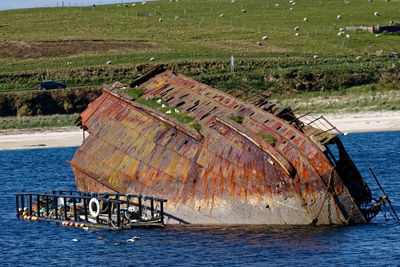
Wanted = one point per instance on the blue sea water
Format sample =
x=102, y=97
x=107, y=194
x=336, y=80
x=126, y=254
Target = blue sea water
x=25, y=243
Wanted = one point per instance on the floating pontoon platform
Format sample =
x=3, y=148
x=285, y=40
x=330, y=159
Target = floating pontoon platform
x=85, y=209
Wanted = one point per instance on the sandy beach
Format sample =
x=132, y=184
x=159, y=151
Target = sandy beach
x=73, y=136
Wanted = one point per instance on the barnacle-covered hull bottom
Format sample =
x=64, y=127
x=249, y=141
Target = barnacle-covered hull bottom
x=270, y=168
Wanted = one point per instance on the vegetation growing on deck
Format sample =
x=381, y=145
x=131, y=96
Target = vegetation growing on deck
x=268, y=138
x=161, y=105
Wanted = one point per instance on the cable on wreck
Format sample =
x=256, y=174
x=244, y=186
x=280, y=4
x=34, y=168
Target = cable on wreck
x=314, y=222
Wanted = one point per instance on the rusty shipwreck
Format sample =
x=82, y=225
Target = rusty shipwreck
x=267, y=168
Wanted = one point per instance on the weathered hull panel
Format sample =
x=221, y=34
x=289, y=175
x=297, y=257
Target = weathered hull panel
x=224, y=174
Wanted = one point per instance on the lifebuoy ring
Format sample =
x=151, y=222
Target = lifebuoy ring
x=94, y=202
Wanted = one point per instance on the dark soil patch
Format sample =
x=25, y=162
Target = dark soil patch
x=21, y=50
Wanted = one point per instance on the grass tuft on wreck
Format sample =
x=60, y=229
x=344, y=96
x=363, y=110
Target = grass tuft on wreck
x=161, y=105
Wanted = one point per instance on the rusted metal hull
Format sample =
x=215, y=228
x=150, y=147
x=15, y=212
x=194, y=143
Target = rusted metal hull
x=226, y=173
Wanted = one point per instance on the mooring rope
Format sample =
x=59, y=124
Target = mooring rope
x=314, y=222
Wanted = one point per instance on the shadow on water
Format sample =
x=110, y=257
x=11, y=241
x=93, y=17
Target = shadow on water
x=39, y=243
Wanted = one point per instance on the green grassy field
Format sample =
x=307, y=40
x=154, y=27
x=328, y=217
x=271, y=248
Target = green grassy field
x=197, y=38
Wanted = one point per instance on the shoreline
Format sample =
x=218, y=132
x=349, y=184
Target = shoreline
x=73, y=136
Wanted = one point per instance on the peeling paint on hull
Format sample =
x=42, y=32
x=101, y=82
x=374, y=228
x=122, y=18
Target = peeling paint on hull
x=226, y=173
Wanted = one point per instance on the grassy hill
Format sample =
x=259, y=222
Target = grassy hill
x=197, y=38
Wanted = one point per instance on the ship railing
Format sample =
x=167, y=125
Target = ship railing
x=115, y=210
x=319, y=122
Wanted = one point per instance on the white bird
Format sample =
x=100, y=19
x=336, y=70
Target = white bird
x=297, y=34
x=168, y=111
x=221, y=15
x=130, y=240
x=378, y=35
x=85, y=228
x=160, y=20
x=342, y=29
x=176, y=17
x=316, y=57
x=159, y=101
x=296, y=28
x=339, y=16
x=143, y=3
x=348, y=36
x=277, y=5
x=259, y=43
x=291, y=1
x=340, y=33
x=305, y=19
x=244, y=11
x=74, y=240
x=133, y=4
x=135, y=238
x=163, y=106
x=176, y=110
x=376, y=13
x=294, y=3
x=233, y=1
x=152, y=59
x=265, y=37
x=109, y=62
x=358, y=57
x=291, y=9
